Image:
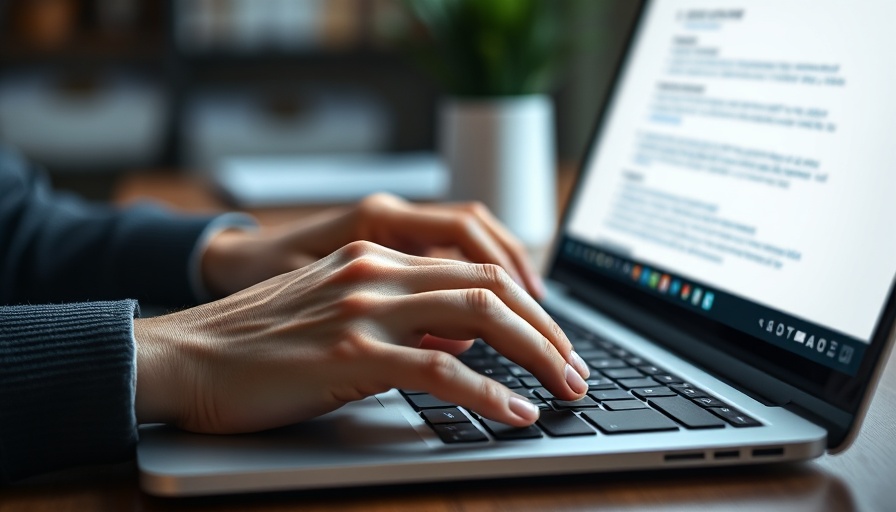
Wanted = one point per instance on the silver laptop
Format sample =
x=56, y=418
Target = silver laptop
x=725, y=266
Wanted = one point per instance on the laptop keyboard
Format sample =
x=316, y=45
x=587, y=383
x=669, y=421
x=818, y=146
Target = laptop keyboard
x=626, y=395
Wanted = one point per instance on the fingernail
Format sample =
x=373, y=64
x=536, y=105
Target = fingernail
x=523, y=408
x=579, y=364
x=575, y=381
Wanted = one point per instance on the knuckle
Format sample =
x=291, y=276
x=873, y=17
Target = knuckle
x=376, y=202
x=358, y=248
x=493, y=275
x=477, y=208
x=466, y=223
x=362, y=268
x=357, y=304
x=482, y=301
x=441, y=368
x=557, y=333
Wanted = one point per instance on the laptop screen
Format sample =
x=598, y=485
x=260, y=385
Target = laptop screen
x=745, y=170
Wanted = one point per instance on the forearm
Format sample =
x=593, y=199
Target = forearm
x=67, y=378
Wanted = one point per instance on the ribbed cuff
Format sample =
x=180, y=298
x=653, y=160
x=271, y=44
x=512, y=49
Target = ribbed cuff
x=67, y=381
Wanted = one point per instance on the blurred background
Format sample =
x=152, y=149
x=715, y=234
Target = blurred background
x=93, y=89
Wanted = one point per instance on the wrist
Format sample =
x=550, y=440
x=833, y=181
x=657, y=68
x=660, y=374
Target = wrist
x=156, y=388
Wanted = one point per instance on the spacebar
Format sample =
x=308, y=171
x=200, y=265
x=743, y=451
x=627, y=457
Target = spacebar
x=686, y=412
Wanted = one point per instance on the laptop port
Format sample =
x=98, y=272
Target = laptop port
x=729, y=454
x=768, y=452
x=679, y=457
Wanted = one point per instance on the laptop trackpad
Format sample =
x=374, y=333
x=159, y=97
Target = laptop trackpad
x=357, y=432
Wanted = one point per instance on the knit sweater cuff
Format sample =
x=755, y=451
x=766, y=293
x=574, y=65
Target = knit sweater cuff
x=67, y=384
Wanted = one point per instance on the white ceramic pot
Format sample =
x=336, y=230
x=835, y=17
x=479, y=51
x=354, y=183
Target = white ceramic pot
x=502, y=152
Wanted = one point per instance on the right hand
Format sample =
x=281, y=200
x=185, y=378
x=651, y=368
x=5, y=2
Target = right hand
x=358, y=322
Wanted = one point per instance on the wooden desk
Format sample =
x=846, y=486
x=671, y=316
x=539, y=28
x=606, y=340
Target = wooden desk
x=863, y=478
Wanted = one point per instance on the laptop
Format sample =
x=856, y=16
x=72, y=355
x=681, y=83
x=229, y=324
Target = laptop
x=725, y=266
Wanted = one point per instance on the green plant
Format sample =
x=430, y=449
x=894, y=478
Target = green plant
x=481, y=48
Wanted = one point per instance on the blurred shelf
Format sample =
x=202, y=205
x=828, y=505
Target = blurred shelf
x=94, y=49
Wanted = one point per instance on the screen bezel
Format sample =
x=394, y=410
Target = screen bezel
x=809, y=388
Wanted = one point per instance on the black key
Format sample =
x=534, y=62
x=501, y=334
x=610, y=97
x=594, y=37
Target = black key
x=635, y=361
x=505, y=432
x=686, y=412
x=603, y=364
x=477, y=361
x=600, y=383
x=543, y=393
x=407, y=392
x=624, y=405
x=508, y=380
x=621, y=422
x=564, y=423
x=593, y=353
x=622, y=373
x=689, y=391
x=667, y=379
x=459, y=433
x=645, y=393
x=582, y=403
x=645, y=382
x=650, y=369
x=530, y=382
x=708, y=401
x=441, y=416
x=519, y=371
x=492, y=371
x=428, y=402
x=734, y=417
x=610, y=394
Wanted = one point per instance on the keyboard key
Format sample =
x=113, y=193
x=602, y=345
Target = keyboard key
x=492, y=371
x=428, y=402
x=610, y=394
x=635, y=361
x=686, y=412
x=543, y=393
x=645, y=382
x=600, y=383
x=442, y=416
x=734, y=417
x=593, y=353
x=624, y=405
x=508, y=380
x=504, y=432
x=650, y=369
x=603, y=364
x=667, y=379
x=687, y=390
x=459, y=433
x=708, y=401
x=563, y=424
x=645, y=393
x=622, y=422
x=582, y=403
x=622, y=373
x=530, y=382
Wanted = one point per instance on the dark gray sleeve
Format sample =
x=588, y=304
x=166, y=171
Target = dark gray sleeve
x=67, y=384
x=56, y=248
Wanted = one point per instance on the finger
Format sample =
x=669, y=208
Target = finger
x=511, y=245
x=453, y=347
x=479, y=313
x=441, y=226
x=492, y=277
x=444, y=377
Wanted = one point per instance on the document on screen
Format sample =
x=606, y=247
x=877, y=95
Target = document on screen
x=752, y=145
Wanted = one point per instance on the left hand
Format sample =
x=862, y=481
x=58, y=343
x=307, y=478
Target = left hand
x=235, y=259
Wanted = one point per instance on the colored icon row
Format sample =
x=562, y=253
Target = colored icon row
x=669, y=285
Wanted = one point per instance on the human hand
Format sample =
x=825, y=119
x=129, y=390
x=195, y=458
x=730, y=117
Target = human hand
x=356, y=323
x=237, y=259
